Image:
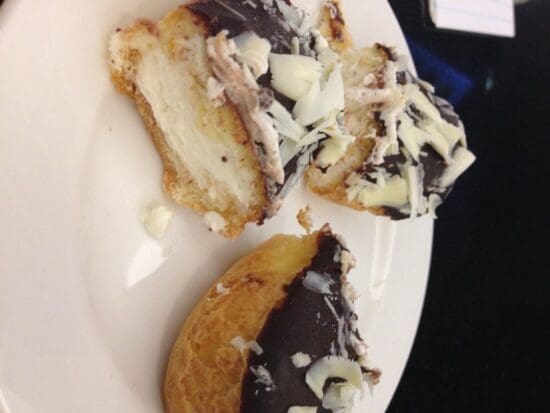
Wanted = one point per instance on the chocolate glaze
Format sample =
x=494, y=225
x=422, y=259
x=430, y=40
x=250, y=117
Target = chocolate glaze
x=433, y=164
x=237, y=17
x=390, y=165
x=303, y=323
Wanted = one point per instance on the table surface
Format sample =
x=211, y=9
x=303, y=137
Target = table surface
x=479, y=345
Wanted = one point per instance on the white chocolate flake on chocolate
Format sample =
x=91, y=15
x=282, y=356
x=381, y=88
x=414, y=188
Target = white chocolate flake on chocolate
x=293, y=75
x=340, y=323
x=242, y=345
x=263, y=376
x=333, y=367
x=339, y=396
x=302, y=409
x=318, y=283
x=156, y=220
x=301, y=360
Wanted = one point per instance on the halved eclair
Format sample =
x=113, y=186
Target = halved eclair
x=276, y=333
x=237, y=96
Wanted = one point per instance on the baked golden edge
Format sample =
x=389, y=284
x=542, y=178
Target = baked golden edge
x=205, y=371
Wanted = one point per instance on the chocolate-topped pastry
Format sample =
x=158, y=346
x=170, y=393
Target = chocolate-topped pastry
x=237, y=96
x=276, y=333
x=410, y=145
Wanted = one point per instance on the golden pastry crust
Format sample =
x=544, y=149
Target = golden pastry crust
x=219, y=123
x=205, y=371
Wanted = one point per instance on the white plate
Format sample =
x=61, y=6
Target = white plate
x=89, y=305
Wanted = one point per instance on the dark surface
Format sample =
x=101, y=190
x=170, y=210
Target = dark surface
x=480, y=345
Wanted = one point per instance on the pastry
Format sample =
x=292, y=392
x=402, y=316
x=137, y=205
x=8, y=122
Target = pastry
x=241, y=97
x=237, y=96
x=409, y=147
x=276, y=333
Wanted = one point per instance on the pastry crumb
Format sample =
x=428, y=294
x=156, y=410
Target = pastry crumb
x=304, y=219
x=156, y=220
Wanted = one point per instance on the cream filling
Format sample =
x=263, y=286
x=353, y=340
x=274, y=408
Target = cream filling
x=168, y=88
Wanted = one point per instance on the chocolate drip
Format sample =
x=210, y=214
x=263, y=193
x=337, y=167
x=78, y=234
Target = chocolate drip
x=302, y=323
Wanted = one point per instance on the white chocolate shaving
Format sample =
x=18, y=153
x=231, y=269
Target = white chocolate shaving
x=393, y=192
x=339, y=396
x=318, y=283
x=333, y=367
x=253, y=52
x=284, y=122
x=293, y=75
x=263, y=376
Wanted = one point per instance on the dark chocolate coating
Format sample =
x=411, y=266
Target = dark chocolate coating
x=302, y=323
x=433, y=164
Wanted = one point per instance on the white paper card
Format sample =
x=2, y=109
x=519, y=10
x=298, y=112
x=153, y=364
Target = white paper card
x=478, y=16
